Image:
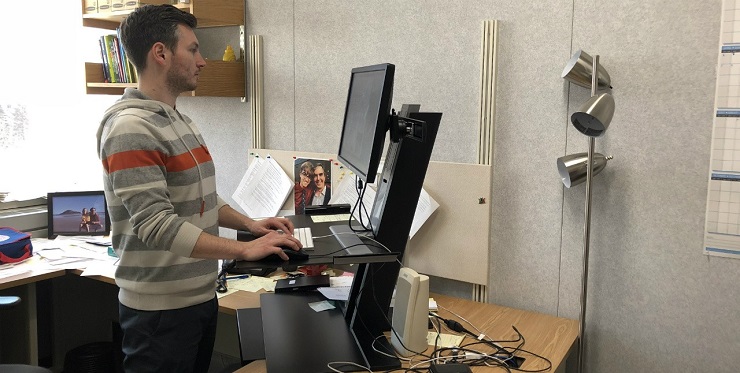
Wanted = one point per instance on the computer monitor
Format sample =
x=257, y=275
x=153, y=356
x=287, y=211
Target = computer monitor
x=77, y=214
x=366, y=119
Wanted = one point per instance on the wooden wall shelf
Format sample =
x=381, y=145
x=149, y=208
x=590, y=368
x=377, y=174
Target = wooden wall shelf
x=218, y=78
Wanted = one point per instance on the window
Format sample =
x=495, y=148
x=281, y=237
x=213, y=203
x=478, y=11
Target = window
x=47, y=122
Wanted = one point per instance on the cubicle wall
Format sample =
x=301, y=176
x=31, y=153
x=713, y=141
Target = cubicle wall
x=454, y=242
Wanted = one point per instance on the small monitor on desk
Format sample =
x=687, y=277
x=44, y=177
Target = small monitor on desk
x=77, y=214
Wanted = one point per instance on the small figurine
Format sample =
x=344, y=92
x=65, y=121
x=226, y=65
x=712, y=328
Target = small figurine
x=229, y=54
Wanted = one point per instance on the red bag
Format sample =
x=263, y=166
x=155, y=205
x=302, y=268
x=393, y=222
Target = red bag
x=15, y=246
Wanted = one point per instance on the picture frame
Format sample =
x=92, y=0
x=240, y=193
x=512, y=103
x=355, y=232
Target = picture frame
x=77, y=214
x=306, y=183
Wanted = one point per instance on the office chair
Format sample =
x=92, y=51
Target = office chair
x=8, y=302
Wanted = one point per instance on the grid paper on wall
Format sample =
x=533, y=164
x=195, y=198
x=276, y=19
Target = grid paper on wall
x=722, y=226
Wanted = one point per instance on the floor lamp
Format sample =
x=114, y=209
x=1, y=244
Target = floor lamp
x=592, y=119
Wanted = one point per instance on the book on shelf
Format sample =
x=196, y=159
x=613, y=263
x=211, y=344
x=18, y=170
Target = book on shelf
x=116, y=66
x=112, y=61
x=127, y=67
x=104, y=58
x=119, y=60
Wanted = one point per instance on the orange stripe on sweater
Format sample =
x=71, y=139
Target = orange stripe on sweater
x=184, y=161
x=146, y=158
x=133, y=159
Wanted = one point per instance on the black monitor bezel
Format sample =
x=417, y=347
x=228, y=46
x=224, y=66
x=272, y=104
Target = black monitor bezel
x=53, y=197
x=368, y=172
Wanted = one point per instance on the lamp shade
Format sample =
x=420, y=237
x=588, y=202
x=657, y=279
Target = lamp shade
x=594, y=116
x=572, y=168
x=580, y=69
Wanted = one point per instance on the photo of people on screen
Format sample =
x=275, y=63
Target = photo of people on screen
x=73, y=215
x=90, y=221
x=85, y=220
x=93, y=224
x=312, y=183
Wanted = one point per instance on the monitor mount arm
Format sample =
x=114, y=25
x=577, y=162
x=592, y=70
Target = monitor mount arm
x=401, y=127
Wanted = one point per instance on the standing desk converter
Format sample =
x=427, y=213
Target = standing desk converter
x=297, y=338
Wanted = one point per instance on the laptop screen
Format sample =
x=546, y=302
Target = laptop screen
x=77, y=214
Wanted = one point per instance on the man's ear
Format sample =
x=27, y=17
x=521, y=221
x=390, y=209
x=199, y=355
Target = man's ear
x=159, y=53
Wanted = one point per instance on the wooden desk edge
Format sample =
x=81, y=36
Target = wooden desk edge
x=238, y=300
x=101, y=278
x=227, y=304
x=29, y=278
x=562, y=332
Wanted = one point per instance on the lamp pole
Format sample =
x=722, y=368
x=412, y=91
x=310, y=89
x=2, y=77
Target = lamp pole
x=587, y=226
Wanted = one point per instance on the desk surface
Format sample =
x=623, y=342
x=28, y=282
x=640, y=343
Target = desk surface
x=227, y=304
x=549, y=336
x=34, y=274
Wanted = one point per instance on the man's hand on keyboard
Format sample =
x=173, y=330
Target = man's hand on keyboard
x=304, y=235
x=265, y=226
x=271, y=243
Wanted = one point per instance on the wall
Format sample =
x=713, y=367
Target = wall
x=653, y=294
x=656, y=303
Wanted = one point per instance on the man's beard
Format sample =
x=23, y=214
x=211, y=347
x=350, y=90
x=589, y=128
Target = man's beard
x=178, y=83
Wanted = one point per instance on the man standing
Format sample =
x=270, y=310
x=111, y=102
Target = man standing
x=160, y=186
x=322, y=193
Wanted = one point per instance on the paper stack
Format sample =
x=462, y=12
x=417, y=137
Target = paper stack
x=263, y=189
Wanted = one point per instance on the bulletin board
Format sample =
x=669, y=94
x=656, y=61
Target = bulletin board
x=454, y=243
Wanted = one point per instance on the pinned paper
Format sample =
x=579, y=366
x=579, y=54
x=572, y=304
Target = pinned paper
x=321, y=306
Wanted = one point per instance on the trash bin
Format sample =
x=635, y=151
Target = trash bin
x=95, y=357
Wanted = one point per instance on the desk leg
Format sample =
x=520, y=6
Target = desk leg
x=570, y=362
x=19, y=343
x=33, y=327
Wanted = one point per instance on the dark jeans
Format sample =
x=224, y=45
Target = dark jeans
x=178, y=340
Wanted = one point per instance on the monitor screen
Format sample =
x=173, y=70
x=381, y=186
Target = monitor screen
x=77, y=214
x=366, y=119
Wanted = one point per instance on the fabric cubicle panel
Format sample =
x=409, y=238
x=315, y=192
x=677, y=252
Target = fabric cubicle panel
x=454, y=242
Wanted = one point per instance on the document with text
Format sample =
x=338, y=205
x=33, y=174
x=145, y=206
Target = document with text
x=263, y=189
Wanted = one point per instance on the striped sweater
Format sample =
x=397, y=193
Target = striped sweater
x=160, y=186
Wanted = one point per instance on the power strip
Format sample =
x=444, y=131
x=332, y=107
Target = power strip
x=450, y=368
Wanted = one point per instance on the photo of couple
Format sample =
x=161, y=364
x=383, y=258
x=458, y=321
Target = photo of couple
x=312, y=183
x=90, y=220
